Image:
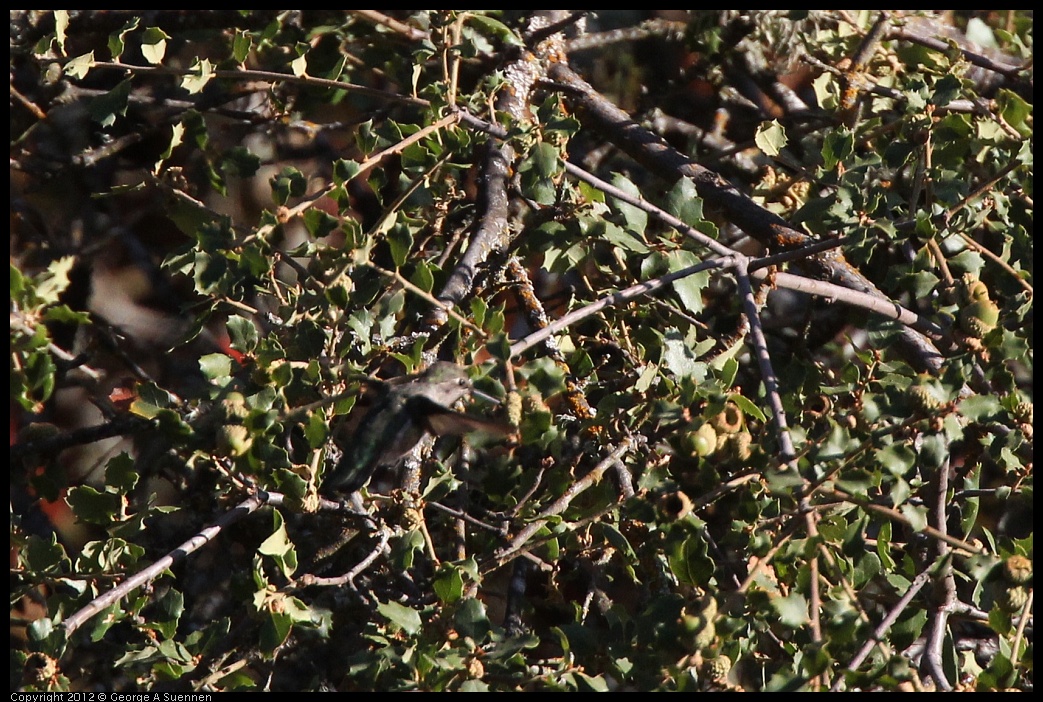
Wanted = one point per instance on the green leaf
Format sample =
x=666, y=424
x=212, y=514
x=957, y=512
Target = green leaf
x=1015, y=111
x=792, y=610
x=680, y=359
x=94, y=507
x=683, y=202
x=897, y=459
x=61, y=23
x=636, y=219
x=344, y=170
x=44, y=555
x=771, y=137
x=200, y=74
x=690, y=288
x=934, y=450
x=279, y=547
x=275, y=629
x=747, y=406
x=289, y=183
x=242, y=42
x=449, y=584
x=104, y=109
x=916, y=515
x=121, y=474
x=79, y=66
x=215, y=365
x=980, y=408
x=319, y=223
x=496, y=28
x=689, y=562
x=52, y=283
x=154, y=45
x=242, y=333
x=618, y=237
x=117, y=39
x=837, y=146
x=400, y=241
x=240, y=162
x=947, y=89
x=402, y=617
x=471, y=619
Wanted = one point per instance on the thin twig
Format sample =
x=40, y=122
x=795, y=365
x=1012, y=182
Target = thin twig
x=98, y=604
x=559, y=505
x=967, y=548
x=882, y=306
x=411, y=33
x=616, y=298
x=420, y=292
x=269, y=77
x=881, y=630
x=349, y=577
x=760, y=347
x=927, y=33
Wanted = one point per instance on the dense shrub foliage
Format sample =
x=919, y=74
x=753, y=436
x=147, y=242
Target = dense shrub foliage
x=741, y=305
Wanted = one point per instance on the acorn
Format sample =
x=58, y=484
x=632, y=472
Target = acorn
x=234, y=406
x=1013, y=599
x=674, y=505
x=1023, y=412
x=741, y=443
x=38, y=431
x=1017, y=569
x=717, y=668
x=925, y=397
x=475, y=668
x=707, y=606
x=729, y=420
x=514, y=408
x=233, y=440
x=979, y=318
x=971, y=289
x=704, y=440
x=697, y=632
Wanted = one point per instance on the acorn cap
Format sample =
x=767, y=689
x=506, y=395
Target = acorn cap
x=979, y=318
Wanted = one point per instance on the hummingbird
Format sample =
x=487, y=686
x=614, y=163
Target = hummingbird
x=406, y=410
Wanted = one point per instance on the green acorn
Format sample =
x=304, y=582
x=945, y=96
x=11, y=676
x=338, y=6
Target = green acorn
x=701, y=441
x=233, y=440
x=704, y=440
x=979, y=318
x=38, y=431
x=697, y=632
x=1017, y=569
x=973, y=289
